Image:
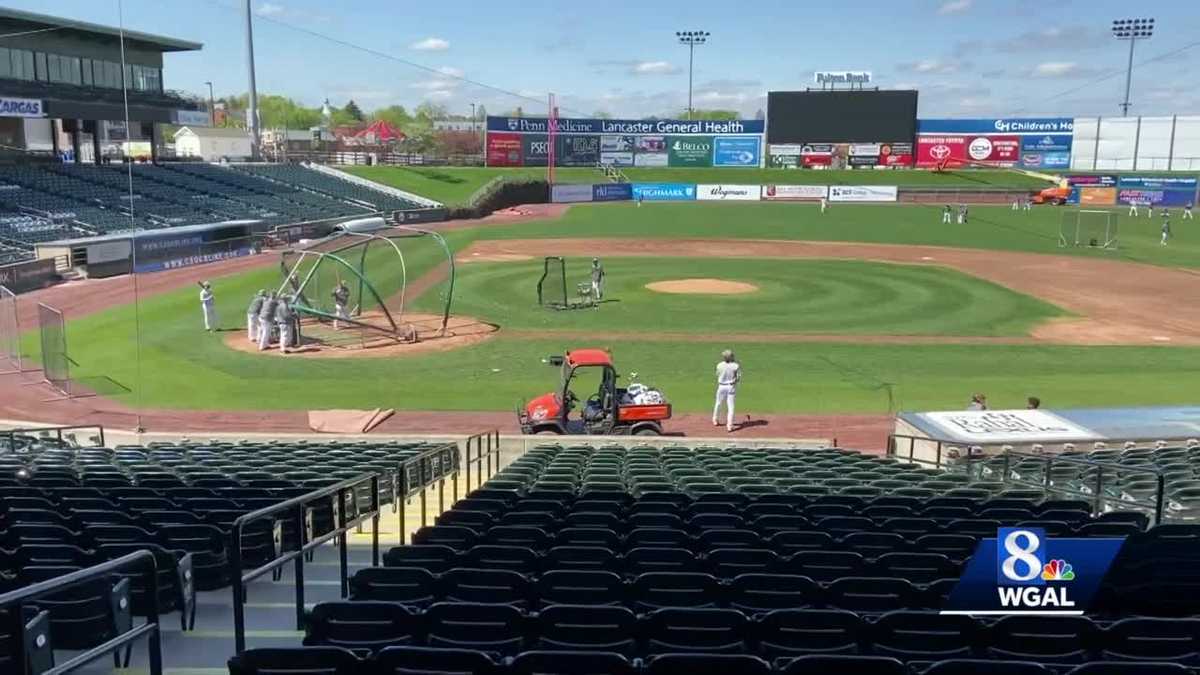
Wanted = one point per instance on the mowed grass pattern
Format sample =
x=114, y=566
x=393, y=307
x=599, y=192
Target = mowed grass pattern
x=842, y=297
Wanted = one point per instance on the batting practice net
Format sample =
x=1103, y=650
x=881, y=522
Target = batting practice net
x=552, y=287
x=1084, y=227
x=10, y=333
x=56, y=364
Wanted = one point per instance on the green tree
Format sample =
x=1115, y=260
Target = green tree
x=428, y=111
x=602, y=115
x=354, y=112
x=699, y=114
x=481, y=113
x=395, y=115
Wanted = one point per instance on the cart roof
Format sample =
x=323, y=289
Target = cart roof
x=588, y=357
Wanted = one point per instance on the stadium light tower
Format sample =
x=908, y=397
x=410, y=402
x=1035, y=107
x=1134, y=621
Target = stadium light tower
x=1131, y=30
x=691, y=38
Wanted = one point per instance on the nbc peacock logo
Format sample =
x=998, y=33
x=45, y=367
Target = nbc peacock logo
x=1058, y=570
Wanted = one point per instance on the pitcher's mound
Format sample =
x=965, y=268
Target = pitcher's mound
x=319, y=340
x=702, y=286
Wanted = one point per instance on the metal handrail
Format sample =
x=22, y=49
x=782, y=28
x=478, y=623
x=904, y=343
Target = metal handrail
x=1098, y=494
x=420, y=471
x=299, y=507
x=10, y=434
x=477, y=441
x=66, y=581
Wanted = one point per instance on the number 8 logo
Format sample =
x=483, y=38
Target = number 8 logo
x=1023, y=554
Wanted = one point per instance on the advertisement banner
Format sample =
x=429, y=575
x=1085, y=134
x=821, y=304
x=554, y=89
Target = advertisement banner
x=664, y=192
x=1046, y=143
x=612, y=192
x=1092, y=179
x=565, y=125
x=578, y=150
x=809, y=161
x=1045, y=160
x=737, y=151
x=1097, y=196
x=617, y=143
x=23, y=107
x=650, y=151
x=864, y=149
x=862, y=160
x=28, y=276
x=783, y=161
x=186, y=260
x=1006, y=125
x=617, y=158
x=816, y=149
x=410, y=216
x=536, y=149
x=784, y=149
x=862, y=193
x=729, y=193
x=570, y=194
x=689, y=150
x=933, y=150
x=800, y=193
x=1156, y=190
x=650, y=159
x=896, y=154
x=504, y=150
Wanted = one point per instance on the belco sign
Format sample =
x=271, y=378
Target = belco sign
x=842, y=77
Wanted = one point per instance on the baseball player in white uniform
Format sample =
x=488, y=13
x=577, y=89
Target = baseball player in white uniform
x=824, y=204
x=946, y=214
x=266, y=321
x=341, y=299
x=1187, y=212
x=597, y=280
x=1133, y=207
x=283, y=319
x=208, y=306
x=729, y=373
x=252, y=311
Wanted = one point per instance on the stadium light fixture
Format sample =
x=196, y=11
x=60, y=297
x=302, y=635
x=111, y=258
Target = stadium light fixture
x=1131, y=30
x=691, y=38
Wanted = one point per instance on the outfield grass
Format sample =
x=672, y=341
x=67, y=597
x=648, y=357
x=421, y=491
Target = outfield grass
x=793, y=296
x=453, y=185
x=990, y=227
x=183, y=367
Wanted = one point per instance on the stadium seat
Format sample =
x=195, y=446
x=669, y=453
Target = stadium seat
x=1050, y=639
x=492, y=586
x=1129, y=668
x=487, y=628
x=685, y=630
x=296, y=661
x=646, y=559
x=430, y=661
x=796, y=632
x=912, y=636
x=361, y=625
x=435, y=558
x=407, y=585
x=983, y=667
x=819, y=664
x=706, y=664
x=756, y=593
x=656, y=590
x=574, y=627
x=1145, y=639
x=571, y=663
x=580, y=587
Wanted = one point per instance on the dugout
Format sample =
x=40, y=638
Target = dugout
x=153, y=250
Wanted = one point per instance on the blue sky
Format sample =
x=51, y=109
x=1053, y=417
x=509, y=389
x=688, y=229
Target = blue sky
x=967, y=57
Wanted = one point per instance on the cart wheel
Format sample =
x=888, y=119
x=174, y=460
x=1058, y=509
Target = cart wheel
x=647, y=431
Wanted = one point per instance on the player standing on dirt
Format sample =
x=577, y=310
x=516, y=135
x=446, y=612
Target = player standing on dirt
x=266, y=321
x=597, y=280
x=729, y=373
x=341, y=298
x=283, y=319
x=208, y=306
x=256, y=304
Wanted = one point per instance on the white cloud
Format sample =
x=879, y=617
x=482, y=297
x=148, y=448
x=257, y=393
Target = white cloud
x=1061, y=69
x=954, y=7
x=430, y=44
x=927, y=66
x=269, y=9
x=653, y=68
x=451, y=71
x=435, y=84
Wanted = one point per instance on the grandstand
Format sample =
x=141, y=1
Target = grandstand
x=48, y=202
x=627, y=559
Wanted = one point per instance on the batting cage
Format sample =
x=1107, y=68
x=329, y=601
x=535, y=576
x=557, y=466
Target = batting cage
x=56, y=363
x=555, y=291
x=357, y=288
x=10, y=333
x=1084, y=227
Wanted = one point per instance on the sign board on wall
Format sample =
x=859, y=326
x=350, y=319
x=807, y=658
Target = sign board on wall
x=794, y=192
x=835, y=77
x=192, y=118
x=664, y=192
x=612, y=192
x=896, y=154
x=737, y=151
x=21, y=107
x=689, y=150
x=570, y=193
x=1004, y=125
x=740, y=193
x=540, y=125
x=862, y=193
x=1157, y=190
x=28, y=276
x=1036, y=143
x=985, y=427
x=504, y=150
x=535, y=149
x=577, y=150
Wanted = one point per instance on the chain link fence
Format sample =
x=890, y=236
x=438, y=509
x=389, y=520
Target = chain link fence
x=10, y=333
x=56, y=364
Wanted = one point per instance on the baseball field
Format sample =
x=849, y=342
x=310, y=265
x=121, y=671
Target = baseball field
x=861, y=310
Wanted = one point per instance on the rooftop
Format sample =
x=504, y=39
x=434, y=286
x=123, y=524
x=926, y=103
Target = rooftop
x=160, y=42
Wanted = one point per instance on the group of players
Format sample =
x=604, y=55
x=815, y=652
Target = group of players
x=1166, y=216
x=271, y=317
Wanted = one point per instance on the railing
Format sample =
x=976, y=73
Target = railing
x=1094, y=493
x=487, y=447
x=419, y=472
x=29, y=594
x=8, y=436
x=893, y=449
x=346, y=515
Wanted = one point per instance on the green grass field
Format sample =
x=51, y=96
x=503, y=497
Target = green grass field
x=183, y=367
x=453, y=185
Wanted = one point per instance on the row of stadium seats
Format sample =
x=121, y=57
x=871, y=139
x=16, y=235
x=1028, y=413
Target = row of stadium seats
x=785, y=633
x=440, y=661
x=41, y=203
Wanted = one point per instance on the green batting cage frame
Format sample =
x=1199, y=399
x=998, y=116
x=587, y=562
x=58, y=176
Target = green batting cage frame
x=1094, y=228
x=10, y=333
x=552, y=287
x=375, y=268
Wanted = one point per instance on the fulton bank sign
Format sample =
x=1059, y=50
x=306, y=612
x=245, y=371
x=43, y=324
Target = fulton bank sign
x=563, y=125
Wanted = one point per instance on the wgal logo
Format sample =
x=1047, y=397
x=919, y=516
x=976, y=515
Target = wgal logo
x=1025, y=578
